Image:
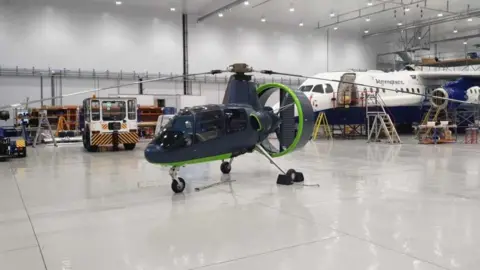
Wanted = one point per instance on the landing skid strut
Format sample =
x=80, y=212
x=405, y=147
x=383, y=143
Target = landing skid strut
x=285, y=178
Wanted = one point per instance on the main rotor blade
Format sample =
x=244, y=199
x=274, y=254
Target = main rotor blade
x=270, y=72
x=107, y=88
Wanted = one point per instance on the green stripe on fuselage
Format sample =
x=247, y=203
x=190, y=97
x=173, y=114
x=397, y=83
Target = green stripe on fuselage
x=196, y=161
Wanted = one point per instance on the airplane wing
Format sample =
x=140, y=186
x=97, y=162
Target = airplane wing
x=447, y=75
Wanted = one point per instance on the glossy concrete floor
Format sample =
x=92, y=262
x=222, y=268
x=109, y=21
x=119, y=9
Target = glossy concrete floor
x=378, y=207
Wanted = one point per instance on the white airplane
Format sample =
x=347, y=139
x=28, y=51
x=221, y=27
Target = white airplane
x=402, y=92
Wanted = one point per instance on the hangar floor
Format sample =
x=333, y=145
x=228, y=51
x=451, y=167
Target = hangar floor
x=378, y=207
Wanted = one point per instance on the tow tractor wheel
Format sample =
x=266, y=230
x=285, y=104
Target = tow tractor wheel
x=129, y=146
x=86, y=142
x=23, y=152
x=178, y=186
x=225, y=167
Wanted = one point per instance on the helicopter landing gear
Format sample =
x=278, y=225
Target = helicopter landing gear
x=226, y=166
x=286, y=178
x=178, y=184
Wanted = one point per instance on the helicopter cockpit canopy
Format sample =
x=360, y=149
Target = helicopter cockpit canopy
x=192, y=125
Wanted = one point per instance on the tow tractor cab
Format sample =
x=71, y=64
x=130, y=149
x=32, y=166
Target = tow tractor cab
x=109, y=122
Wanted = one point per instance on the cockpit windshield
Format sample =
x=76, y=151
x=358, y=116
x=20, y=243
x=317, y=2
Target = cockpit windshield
x=305, y=88
x=177, y=133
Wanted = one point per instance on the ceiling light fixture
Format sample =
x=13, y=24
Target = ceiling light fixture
x=399, y=24
x=246, y=3
x=470, y=19
x=335, y=28
x=455, y=30
x=220, y=14
x=263, y=19
x=419, y=37
x=172, y=9
x=300, y=24
x=465, y=43
x=440, y=14
x=367, y=19
x=366, y=31
x=332, y=14
x=369, y=3
x=407, y=9
x=118, y=3
x=292, y=9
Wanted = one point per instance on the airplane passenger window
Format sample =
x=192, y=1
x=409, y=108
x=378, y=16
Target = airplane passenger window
x=235, y=120
x=318, y=89
x=383, y=89
x=209, y=125
x=408, y=91
x=401, y=89
x=305, y=88
x=329, y=88
x=418, y=90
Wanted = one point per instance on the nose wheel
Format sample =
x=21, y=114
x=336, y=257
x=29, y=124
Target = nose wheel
x=226, y=167
x=178, y=184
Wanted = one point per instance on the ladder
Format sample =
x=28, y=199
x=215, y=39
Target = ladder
x=382, y=122
x=427, y=118
x=42, y=124
x=322, y=122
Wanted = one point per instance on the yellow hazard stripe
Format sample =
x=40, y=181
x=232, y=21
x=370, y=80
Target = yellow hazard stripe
x=124, y=125
x=20, y=143
x=107, y=139
x=128, y=138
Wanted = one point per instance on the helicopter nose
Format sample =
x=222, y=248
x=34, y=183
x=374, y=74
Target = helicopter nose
x=154, y=153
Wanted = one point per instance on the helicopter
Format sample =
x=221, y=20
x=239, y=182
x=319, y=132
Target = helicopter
x=240, y=125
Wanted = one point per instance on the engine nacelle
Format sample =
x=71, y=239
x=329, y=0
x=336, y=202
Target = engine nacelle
x=264, y=121
x=439, y=98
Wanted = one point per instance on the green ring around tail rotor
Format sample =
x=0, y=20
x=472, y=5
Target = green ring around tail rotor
x=264, y=87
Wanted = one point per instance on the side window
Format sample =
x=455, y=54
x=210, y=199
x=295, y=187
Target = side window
x=209, y=125
x=318, y=89
x=235, y=120
x=378, y=90
x=86, y=110
x=132, y=107
x=329, y=88
x=95, y=110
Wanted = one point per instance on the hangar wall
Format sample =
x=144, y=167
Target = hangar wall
x=106, y=37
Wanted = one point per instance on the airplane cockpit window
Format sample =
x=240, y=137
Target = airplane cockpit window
x=329, y=88
x=209, y=125
x=177, y=133
x=305, y=88
x=318, y=89
x=235, y=120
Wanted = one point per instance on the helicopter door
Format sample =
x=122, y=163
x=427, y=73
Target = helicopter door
x=209, y=125
x=347, y=92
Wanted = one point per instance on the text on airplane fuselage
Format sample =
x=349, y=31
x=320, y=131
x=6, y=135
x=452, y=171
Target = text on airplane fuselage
x=393, y=82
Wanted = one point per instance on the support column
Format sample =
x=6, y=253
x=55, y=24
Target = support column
x=187, y=87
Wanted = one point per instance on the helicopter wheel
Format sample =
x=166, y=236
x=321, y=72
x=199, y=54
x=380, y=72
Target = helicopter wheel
x=178, y=185
x=295, y=176
x=225, y=167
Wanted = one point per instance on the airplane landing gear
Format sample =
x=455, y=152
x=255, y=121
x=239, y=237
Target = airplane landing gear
x=226, y=166
x=178, y=184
